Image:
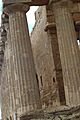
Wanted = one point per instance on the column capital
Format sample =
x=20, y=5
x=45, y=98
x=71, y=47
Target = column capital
x=21, y=7
x=60, y=3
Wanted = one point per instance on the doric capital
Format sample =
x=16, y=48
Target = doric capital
x=16, y=7
x=57, y=1
x=60, y=3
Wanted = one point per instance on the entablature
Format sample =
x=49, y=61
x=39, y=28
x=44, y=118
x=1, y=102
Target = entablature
x=30, y=2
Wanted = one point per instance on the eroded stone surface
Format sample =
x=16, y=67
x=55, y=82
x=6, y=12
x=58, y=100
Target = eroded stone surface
x=61, y=113
x=57, y=63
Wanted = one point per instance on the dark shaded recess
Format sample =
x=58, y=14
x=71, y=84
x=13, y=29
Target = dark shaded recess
x=57, y=62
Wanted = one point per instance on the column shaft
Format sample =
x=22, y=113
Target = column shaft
x=69, y=54
x=57, y=62
x=52, y=34
x=10, y=73
x=25, y=75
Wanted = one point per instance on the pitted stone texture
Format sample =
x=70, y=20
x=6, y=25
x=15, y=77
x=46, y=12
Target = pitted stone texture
x=69, y=54
x=61, y=113
x=44, y=61
x=52, y=37
x=25, y=75
x=5, y=92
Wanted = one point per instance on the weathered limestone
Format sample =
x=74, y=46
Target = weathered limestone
x=4, y=80
x=8, y=96
x=44, y=61
x=7, y=79
x=69, y=52
x=57, y=63
x=20, y=93
x=10, y=73
x=25, y=88
x=5, y=89
x=61, y=113
x=30, y=2
x=52, y=36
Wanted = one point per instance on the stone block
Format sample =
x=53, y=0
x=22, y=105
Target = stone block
x=16, y=1
x=32, y=2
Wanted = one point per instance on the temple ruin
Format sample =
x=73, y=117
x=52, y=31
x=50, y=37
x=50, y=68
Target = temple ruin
x=40, y=73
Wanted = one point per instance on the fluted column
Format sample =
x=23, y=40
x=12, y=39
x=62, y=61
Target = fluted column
x=52, y=35
x=69, y=51
x=7, y=99
x=10, y=74
x=24, y=70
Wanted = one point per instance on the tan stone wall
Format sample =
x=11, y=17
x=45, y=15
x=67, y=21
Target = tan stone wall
x=44, y=63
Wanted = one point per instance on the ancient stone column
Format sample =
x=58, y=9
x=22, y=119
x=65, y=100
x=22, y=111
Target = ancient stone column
x=69, y=51
x=8, y=75
x=10, y=72
x=52, y=36
x=26, y=90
